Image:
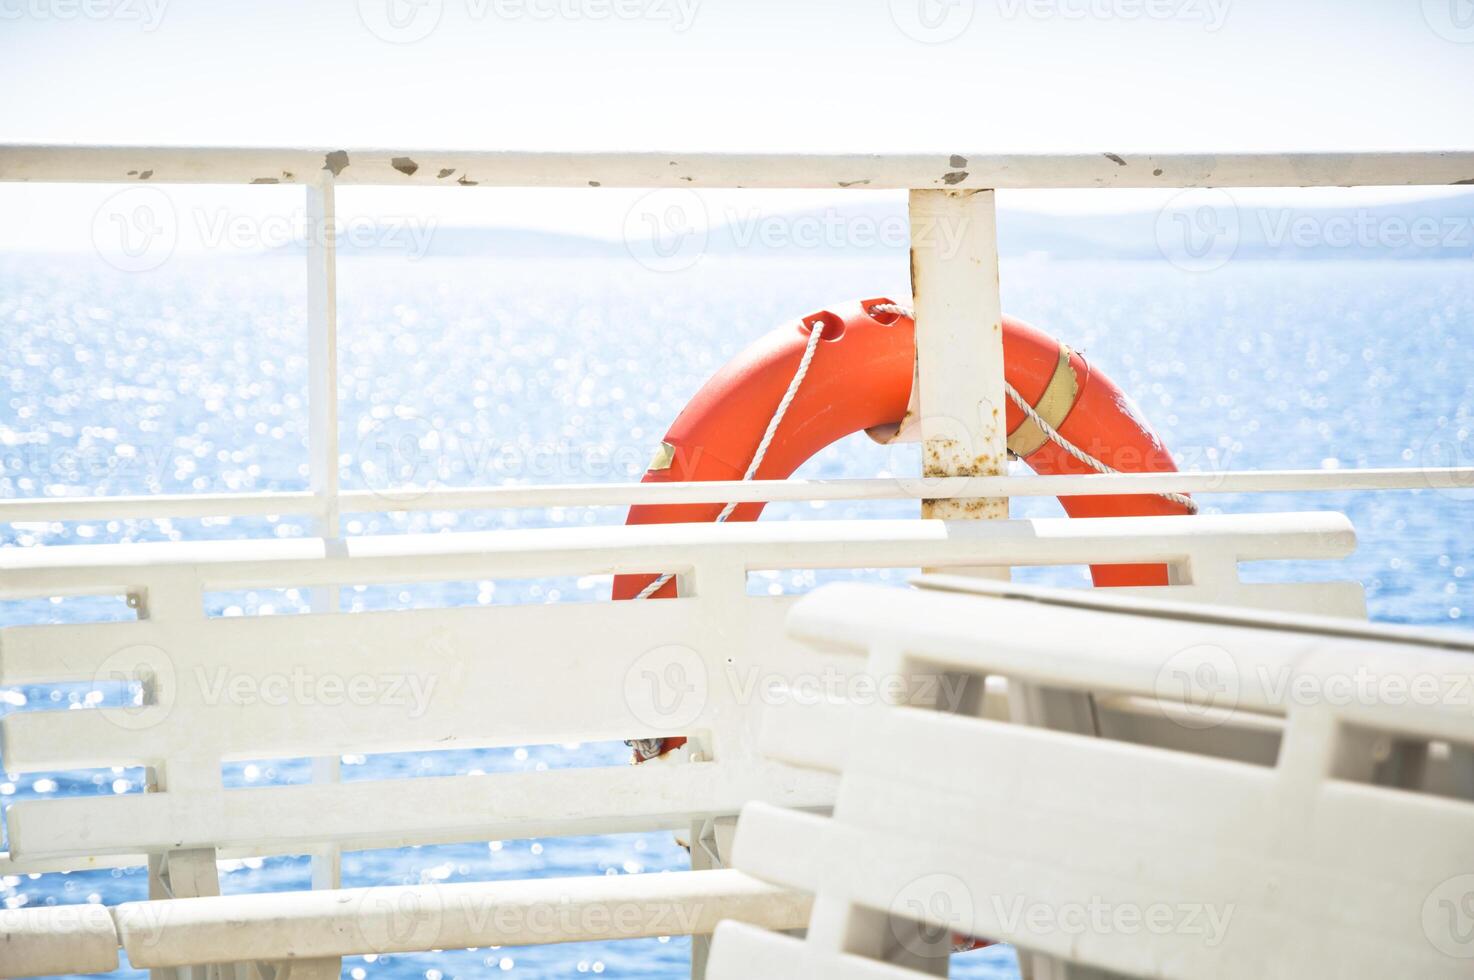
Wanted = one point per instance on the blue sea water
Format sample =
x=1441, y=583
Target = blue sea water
x=192, y=378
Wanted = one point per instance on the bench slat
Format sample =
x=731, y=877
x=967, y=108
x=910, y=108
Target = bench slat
x=397, y=813
x=37, y=942
x=1085, y=650
x=1156, y=828
x=749, y=951
x=413, y=918
x=1312, y=860
x=287, y=686
x=32, y=572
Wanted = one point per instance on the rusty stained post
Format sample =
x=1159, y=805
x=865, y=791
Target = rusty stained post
x=959, y=345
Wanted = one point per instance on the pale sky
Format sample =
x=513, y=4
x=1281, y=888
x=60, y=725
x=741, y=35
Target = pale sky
x=936, y=75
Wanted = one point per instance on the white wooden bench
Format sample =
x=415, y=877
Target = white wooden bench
x=503, y=675
x=1344, y=849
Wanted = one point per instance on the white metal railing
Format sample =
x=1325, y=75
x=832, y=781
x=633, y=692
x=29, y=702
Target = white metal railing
x=939, y=180
x=476, y=654
x=658, y=168
x=1318, y=859
x=307, y=503
x=958, y=332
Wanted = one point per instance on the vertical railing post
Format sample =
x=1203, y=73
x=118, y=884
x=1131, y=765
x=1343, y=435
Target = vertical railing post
x=959, y=346
x=322, y=437
x=964, y=408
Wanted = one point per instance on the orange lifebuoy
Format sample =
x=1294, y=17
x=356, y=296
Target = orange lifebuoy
x=861, y=379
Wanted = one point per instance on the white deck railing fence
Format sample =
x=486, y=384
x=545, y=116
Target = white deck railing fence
x=945, y=186
x=960, y=359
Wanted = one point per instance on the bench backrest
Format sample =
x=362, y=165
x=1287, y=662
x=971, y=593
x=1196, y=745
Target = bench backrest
x=1345, y=853
x=220, y=689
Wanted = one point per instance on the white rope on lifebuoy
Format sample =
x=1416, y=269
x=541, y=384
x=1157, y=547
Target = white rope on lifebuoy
x=1049, y=430
x=798, y=378
x=649, y=748
x=762, y=447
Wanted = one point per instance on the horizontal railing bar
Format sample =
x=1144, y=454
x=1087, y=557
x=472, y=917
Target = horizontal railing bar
x=180, y=505
x=303, y=926
x=526, y=553
x=504, y=806
x=910, y=488
x=755, y=491
x=871, y=171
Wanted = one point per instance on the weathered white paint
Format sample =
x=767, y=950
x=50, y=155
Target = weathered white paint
x=46, y=941
x=304, y=503
x=1322, y=859
x=321, y=926
x=413, y=918
x=962, y=169
x=466, y=683
x=494, y=656
x=537, y=553
x=491, y=656
x=322, y=437
x=959, y=345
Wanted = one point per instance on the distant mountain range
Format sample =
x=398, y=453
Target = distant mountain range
x=1440, y=228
